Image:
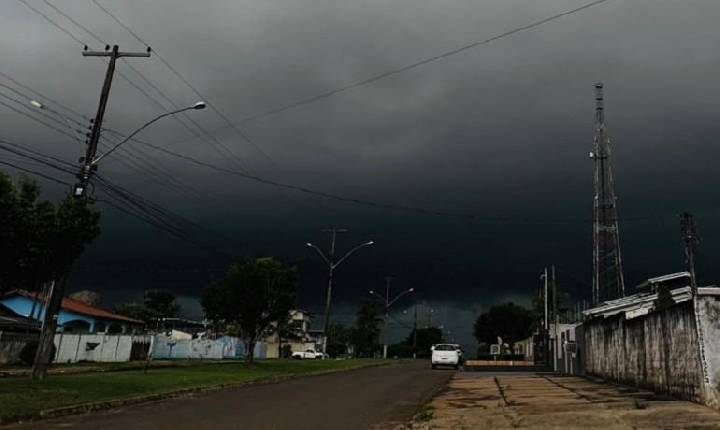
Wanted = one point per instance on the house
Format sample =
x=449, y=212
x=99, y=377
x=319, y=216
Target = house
x=304, y=338
x=75, y=316
x=11, y=322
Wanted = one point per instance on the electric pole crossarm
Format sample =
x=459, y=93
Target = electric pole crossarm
x=118, y=55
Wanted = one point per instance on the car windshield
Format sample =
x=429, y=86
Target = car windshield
x=445, y=348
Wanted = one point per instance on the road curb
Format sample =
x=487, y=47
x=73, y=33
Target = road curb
x=129, y=401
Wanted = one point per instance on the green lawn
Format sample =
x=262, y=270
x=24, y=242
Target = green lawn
x=22, y=398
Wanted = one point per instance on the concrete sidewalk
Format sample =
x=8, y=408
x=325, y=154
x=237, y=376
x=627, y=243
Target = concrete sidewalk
x=504, y=401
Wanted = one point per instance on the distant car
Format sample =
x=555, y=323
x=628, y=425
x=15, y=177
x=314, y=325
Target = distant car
x=445, y=354
x=460, y=352
x=308, y=354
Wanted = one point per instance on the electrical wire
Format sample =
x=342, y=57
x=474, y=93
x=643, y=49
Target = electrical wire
x=121, y=74
x=411, y=66
x=141, y=164
x=34, y=172
x=180, y=76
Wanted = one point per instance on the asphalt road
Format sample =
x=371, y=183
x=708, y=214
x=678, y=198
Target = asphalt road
x=358, y=399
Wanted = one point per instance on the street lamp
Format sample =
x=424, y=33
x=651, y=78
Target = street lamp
x=332, y=265
x=91, y=165
x=388, y=303
x=197, y=106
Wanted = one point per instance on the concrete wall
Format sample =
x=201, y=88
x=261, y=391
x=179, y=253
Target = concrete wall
x=72, y=348
x=708, y=315
x=658, y=351
x=11, y=344
x=165, y=347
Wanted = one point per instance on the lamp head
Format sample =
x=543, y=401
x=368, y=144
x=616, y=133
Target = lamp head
x=199, y=105
x=37, y=104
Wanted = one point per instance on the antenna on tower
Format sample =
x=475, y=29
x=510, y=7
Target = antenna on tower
x=608, y=282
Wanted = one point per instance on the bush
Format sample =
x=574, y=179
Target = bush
x=27, y=354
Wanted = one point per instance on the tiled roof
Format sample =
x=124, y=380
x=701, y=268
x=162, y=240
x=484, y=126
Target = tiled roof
x=79, y=307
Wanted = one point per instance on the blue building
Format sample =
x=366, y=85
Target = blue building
x=74, y=317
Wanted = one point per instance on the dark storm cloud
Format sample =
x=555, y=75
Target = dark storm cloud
x=502, y=130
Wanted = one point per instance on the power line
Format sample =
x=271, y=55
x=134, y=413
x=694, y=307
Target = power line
x=150, y=168
x=415, y=65
x=35, y=172
x=370, y=203
x=37, y=153
x=54, y=23
x=180, y=76
x=77, y=24
x=149, y=213
x=122, y=75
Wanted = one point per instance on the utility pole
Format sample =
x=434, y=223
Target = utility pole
x=88, y=166
x=687, y=225
x=43, y=355
x=388, y=302
x=557, y=318
x=415, y=328
x=332, y=265
x=328, y=290
x=388, y=279
x=546, y=323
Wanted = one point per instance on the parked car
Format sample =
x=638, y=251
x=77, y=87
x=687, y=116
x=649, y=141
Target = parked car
x=308, y=354
x=445, y=354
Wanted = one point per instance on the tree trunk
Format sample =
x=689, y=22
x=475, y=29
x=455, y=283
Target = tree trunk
x=250, y=351
x=280, y=347
x=43, y=355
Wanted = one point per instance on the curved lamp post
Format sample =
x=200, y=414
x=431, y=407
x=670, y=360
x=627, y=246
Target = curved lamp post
x=332, y=264
x=388, y=302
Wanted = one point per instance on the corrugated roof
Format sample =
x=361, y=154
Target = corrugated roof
x=79, y=307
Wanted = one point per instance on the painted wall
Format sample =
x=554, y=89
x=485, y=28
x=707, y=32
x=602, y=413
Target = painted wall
x=165, y=347
x=658, y=351
x=73, y=348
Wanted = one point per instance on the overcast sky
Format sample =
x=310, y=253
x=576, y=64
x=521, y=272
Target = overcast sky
x=502, y=130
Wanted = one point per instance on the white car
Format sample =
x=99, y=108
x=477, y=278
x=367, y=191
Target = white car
x=445, y=354
x=307, y=354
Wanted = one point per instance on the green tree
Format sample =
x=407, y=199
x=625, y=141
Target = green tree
x=340, y=339
x=366, y=333
x=253, y=295
x=157, y=304
x=40, y=242
x=508, y=321
x=40, y=239
x=134, y=310
x=426, y=338
x=288, y=329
